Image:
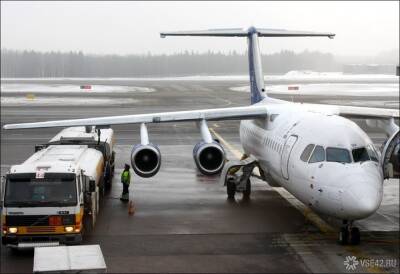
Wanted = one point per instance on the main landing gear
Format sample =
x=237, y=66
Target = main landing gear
x=232, y=187
x=349, y=234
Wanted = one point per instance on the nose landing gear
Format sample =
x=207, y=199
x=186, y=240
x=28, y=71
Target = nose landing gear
x=349, y=234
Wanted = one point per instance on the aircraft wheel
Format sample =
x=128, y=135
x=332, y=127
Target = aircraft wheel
x=355, y=236
x=343, y=236
x=230, y=189
x=247, y=192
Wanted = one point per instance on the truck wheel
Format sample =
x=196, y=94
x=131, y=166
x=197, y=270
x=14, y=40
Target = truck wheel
x=231, y=189
x=112, y=164
x=87, y=223
x=108, y=176
x=247, y=192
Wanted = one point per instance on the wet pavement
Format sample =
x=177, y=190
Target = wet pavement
x=183, y=221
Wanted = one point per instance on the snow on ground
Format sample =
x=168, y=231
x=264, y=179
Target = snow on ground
x=301, y=76
x=331, y=89
x=383, y=104
x=62, y=101
x=43, y=88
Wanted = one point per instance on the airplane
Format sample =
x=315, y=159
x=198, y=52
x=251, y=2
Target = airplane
x=313, y=151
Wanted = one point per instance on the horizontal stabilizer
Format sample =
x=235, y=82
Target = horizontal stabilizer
x=209, y=32
x=243, y=32
x=291, y=33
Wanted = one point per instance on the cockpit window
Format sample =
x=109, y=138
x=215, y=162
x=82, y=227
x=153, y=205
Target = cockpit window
x=339, y=155
x=307, y=152
x=372, y=153
x=318, y=155
x=360, y=154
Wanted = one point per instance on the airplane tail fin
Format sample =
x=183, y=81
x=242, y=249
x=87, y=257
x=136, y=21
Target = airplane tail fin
x=257, y=87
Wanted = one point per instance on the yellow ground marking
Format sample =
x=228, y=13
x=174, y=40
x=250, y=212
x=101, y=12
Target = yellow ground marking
x=30, y=96
x=235, y=152
x=306, y=211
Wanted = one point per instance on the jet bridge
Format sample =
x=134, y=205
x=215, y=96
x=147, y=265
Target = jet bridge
x=390, y=157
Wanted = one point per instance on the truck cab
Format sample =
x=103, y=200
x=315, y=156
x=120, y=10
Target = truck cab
x=53, y=197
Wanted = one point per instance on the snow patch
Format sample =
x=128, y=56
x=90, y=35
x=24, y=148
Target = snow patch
x=331, y=89
x=62, y=101
x=51, y=88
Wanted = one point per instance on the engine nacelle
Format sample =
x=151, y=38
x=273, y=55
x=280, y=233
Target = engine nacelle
x=146, y=160
x=209, y=157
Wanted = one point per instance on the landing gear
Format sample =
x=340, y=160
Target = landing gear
x=349, y=234
x=231, y=188
x=343, y=236
x=247, y=191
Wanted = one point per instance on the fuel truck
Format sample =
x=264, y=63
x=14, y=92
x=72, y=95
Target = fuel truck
x=53, y=197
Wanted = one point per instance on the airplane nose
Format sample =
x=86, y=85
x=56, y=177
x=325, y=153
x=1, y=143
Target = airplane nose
x=361, y=200
x=368, y=204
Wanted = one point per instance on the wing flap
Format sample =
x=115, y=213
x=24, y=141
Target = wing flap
x=234, y=113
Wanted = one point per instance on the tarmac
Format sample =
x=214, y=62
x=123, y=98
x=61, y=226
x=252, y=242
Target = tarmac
x=183, y=221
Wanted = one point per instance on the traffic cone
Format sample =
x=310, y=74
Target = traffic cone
x=131, y=208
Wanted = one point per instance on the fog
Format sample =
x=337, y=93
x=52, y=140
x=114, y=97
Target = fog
x=362, y=28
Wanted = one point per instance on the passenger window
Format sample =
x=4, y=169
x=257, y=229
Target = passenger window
x=372, y=154
x=360, y=154
x=306, y=153
x=339, y=155
x=318, y=155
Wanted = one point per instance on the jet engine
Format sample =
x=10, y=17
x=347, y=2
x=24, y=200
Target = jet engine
x=209, y=157
x=145, y=157
x=208, y=154
x=146, y=160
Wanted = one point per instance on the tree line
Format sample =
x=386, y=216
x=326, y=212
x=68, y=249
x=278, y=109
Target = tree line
x=16, y=64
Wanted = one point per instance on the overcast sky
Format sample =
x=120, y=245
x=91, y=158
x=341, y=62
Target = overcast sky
x=362, y=28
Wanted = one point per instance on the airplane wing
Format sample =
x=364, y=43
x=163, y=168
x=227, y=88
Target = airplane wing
x=248, y=112
x=355, y=112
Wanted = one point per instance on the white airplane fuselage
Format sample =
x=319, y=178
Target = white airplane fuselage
x=348, y=190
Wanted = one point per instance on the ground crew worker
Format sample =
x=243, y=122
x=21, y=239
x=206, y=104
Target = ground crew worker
x=125, y=180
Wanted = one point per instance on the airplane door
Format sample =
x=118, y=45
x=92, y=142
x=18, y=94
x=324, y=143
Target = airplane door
x=287, y=149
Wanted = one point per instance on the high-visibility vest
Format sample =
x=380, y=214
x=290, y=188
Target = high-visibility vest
x=126, y=177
